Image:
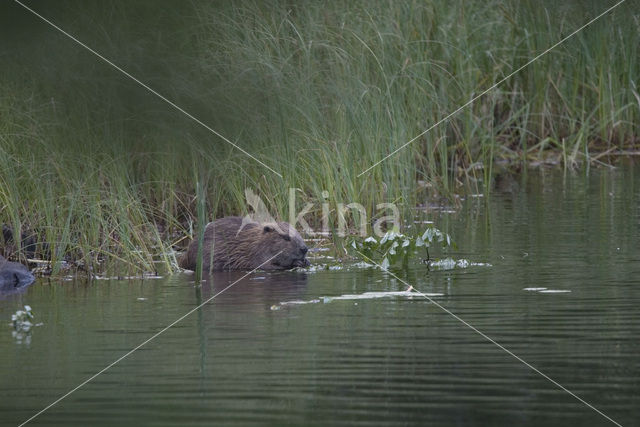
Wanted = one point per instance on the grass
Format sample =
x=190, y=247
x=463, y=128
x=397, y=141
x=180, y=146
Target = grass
x=319, y=92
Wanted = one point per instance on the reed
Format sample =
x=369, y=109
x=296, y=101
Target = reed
x=319, y=92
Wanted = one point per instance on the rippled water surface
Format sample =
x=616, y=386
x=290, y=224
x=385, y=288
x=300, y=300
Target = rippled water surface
x=280, y=348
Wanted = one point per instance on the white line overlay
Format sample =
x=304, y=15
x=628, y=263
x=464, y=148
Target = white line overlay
x=488, y=338
x=55, y=402
x=492, y=87
x=165, y=99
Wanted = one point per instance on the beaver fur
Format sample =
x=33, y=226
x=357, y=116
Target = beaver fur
x=243, y=244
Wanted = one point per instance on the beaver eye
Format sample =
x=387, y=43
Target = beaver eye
x=286, y=237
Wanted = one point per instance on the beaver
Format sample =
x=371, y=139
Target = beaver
x=244, y=244
x=13, y=275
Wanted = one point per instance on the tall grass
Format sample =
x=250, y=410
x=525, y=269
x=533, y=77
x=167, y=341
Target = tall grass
x=317, y=91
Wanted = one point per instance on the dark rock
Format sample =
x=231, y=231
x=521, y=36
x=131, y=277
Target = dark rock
x=14, y=275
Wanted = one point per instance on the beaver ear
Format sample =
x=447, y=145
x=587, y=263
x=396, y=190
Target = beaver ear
x=267, y=229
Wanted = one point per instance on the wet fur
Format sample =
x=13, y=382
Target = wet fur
x=238, y=247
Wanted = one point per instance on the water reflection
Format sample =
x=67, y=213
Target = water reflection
x=259, y=289
x=364, y=359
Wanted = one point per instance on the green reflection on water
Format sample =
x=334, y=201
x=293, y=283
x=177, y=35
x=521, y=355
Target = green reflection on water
x=383, y=360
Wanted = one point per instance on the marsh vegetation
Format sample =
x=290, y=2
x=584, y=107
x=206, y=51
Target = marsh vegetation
x=109, y=174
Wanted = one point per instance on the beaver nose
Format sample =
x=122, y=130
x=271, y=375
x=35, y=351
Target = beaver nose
x=304, y=250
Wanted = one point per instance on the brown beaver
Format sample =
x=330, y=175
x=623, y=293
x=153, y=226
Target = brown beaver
x=238, y=246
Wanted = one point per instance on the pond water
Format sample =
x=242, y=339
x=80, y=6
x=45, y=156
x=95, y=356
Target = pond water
x=251, y=356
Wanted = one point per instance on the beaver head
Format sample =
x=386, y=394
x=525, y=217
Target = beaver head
x=284, y=243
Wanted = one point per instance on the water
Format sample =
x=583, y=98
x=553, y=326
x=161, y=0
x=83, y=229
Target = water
x=246, y=358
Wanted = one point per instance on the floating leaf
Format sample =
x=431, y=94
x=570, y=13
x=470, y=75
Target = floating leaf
x=428, y=235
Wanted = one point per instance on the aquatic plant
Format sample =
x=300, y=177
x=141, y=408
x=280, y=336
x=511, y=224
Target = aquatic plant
x=106, y=173
x=21, y=319
x=395, y=249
